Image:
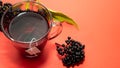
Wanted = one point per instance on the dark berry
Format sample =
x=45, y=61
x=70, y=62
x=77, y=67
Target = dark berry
x=70, y=46
x=1, y=3
x=77, y=56
x=61, y=53
x=80, y=48
x=68, y=52
x=67, y=58
x=74, y=61
x=3, y=8
x=76, y=44
x=69, y=38
x=83, y=46
x=59, y=49
x=65, y=49
x=78, y=60
x=73, y=52
x=67, y=42
x=63, y=45
x=57, y=45
x=82, y=56
x=73, y=42
x=64, y=61
x=77, y=53
x=75, y=47
x=82, y=52
x=7, y=5
x=69, y=63
x=72, y=49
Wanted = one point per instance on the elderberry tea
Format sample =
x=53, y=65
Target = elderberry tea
x=29, y=28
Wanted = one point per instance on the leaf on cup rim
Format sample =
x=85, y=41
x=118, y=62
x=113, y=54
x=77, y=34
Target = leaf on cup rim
x=27, y=6
x=16, y=5
x=58, y=16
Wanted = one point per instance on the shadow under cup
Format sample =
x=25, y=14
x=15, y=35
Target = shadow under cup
x=28, y=28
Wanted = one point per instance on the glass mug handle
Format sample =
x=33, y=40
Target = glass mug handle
x=55, y=30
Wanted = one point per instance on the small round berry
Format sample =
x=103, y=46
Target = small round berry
x=59, y=49
x=64, y=61
x=82, y=56
x=67, y=42
x=82, y=52
x=3, y=8
x=1, y=3
x=57, y=45
x=61, y=53
x=69, y=38
x=75, y=47
x=65, y=49
x=63, y=45
x=78, y=53
x=83, y=47
x=77, y=44
x=78, y=60
x=69, y=63
x=7, y=5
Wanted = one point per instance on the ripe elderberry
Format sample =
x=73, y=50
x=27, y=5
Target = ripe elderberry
x=3, y=8
x=69, y=38
x=72, y=50
x=7, y=5
x=1, y=3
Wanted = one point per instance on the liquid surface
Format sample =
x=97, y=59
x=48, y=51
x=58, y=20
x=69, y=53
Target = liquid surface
x=28, y=25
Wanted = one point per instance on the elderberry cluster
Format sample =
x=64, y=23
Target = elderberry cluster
x=3, y=8
x=73, y=52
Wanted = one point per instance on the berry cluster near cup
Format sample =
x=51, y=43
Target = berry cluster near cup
x=12, y=13
x=72, y=52
x=3, y=8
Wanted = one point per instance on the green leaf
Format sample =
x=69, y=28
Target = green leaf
x=16, y=6
x=27, y=6
x=57, y=16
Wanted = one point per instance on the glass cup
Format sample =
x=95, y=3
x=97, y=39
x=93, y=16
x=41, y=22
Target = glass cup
x=29, y=25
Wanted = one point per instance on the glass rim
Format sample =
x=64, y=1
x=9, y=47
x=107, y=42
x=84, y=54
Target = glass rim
x=23, y=42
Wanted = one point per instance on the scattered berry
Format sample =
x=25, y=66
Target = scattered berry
x=69, y=38
x=73, y=52
x=63, y=45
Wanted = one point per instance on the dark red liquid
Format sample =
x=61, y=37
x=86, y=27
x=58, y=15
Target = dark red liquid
x=26, y=26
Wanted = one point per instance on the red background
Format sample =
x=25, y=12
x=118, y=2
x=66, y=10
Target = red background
x=99, y=22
